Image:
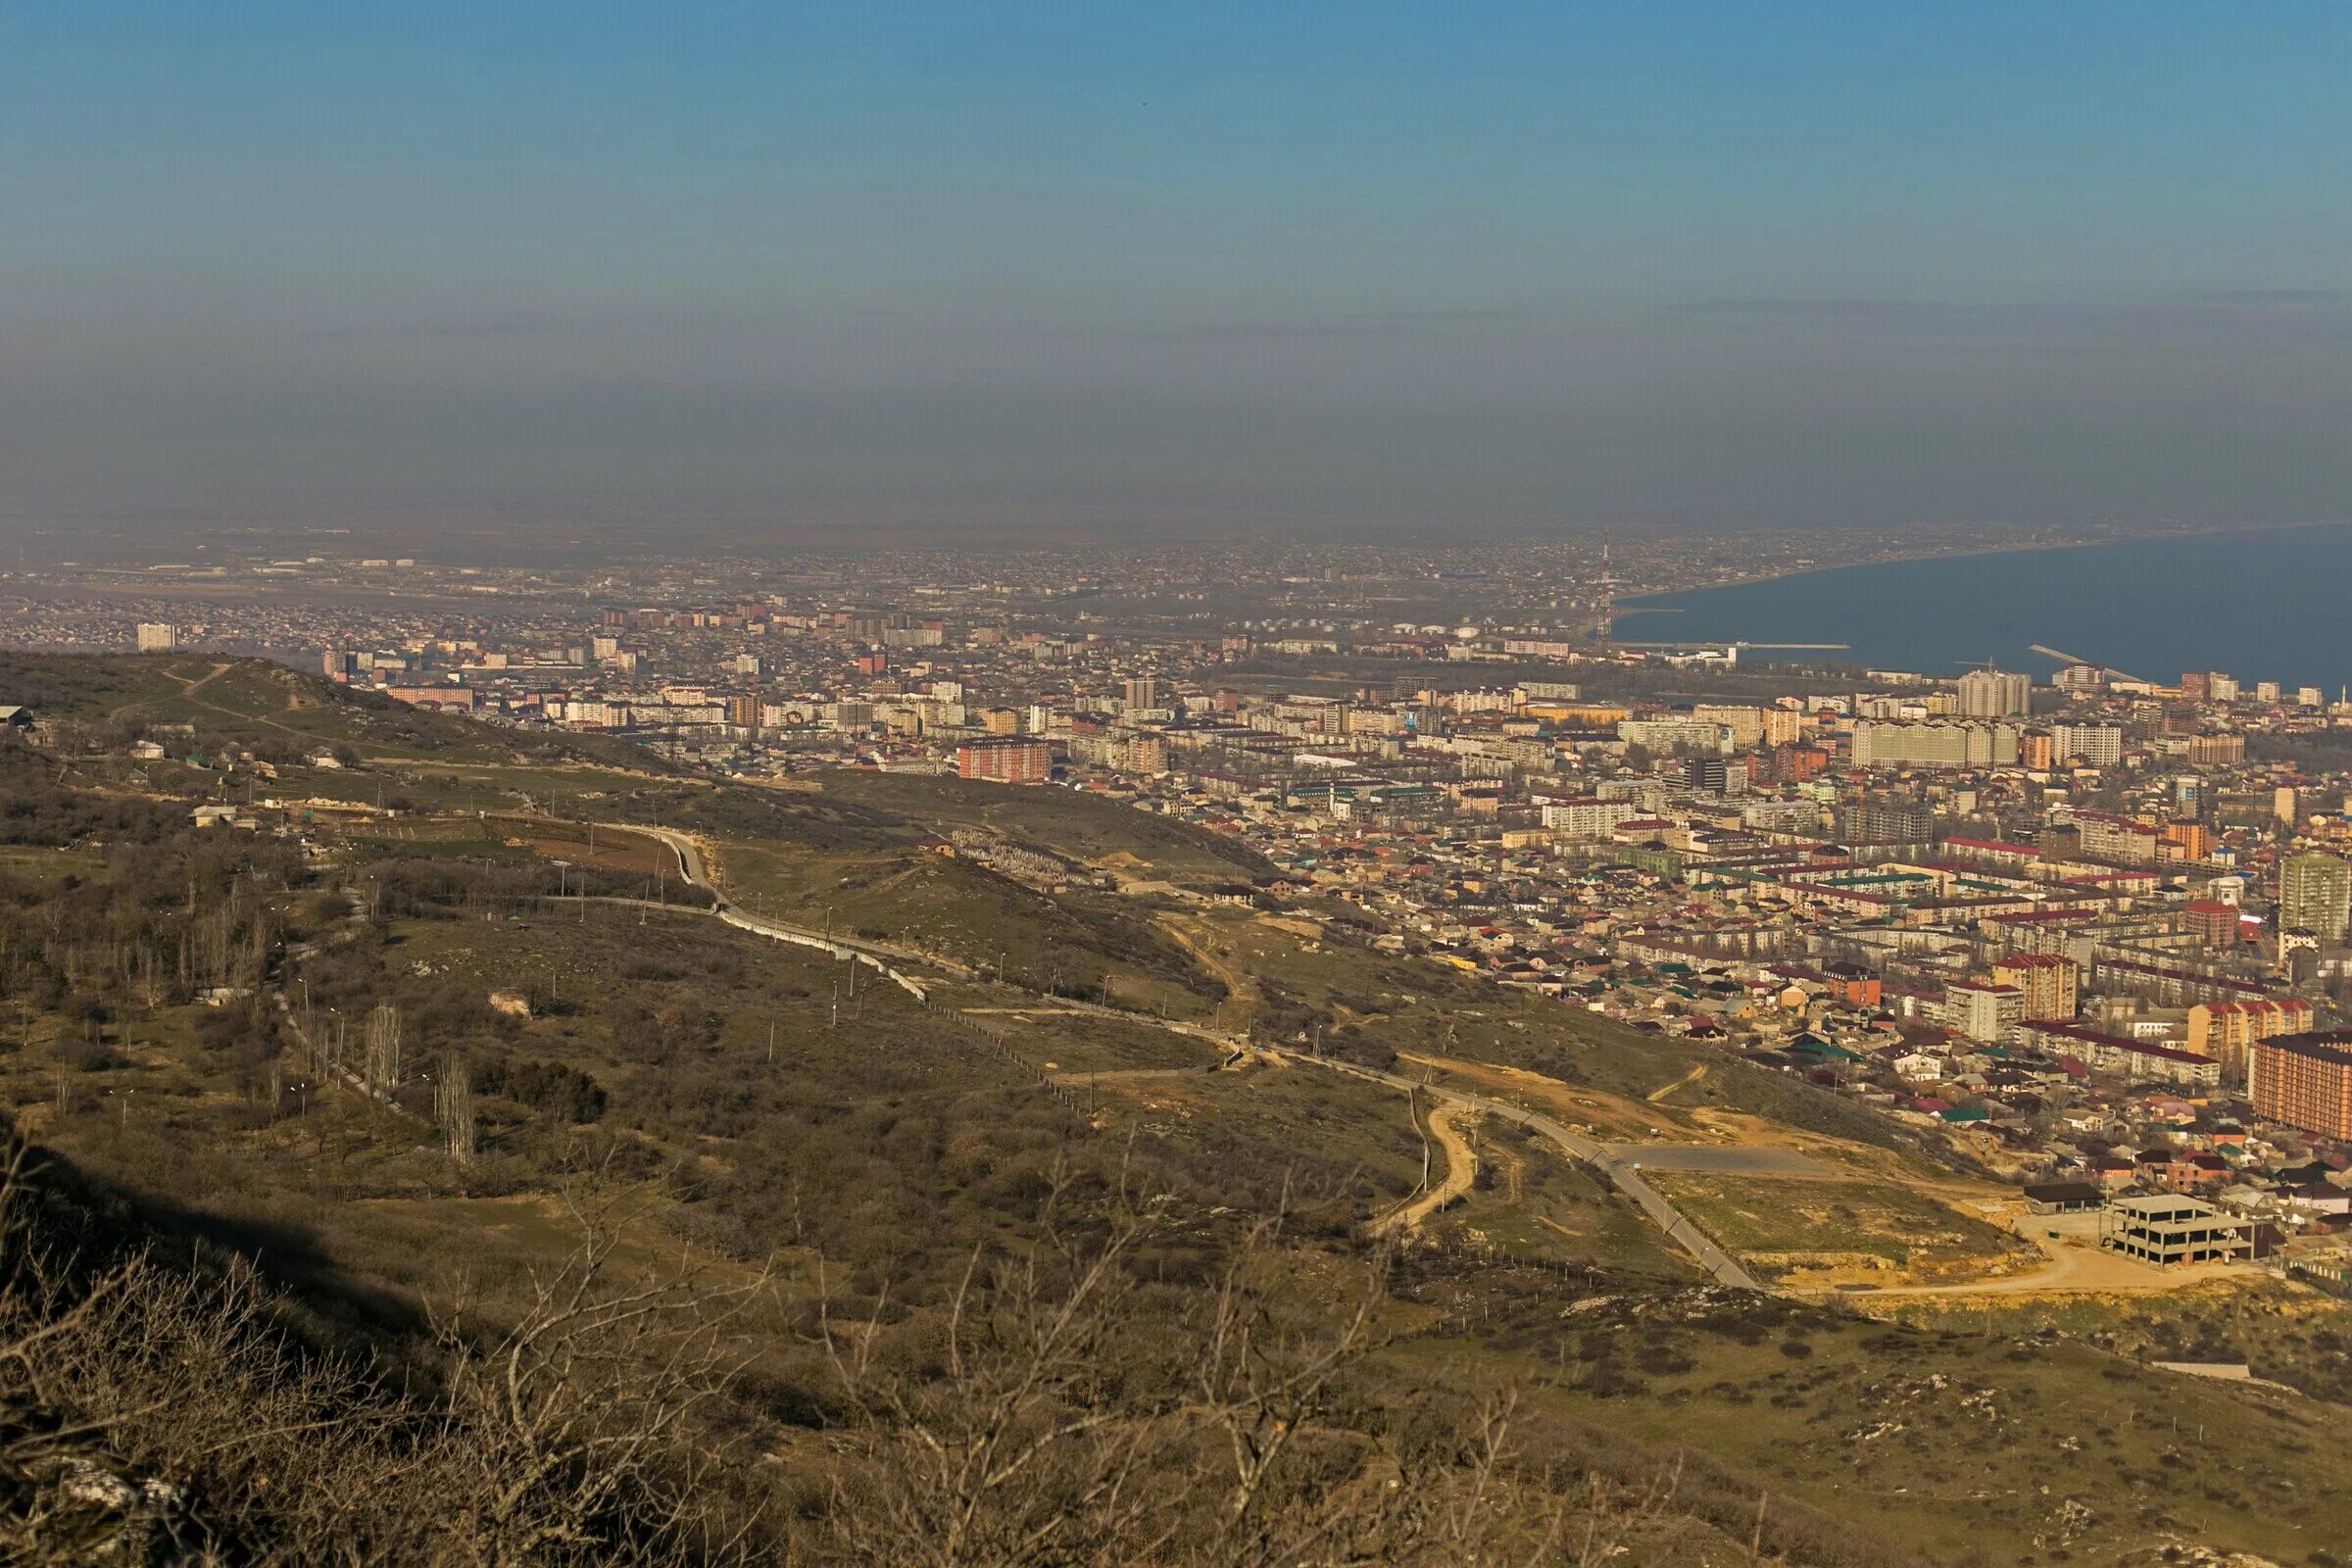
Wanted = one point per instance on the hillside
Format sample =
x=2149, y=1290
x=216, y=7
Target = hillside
x=267, y=706
x=1073, y=823
x=362, y=1093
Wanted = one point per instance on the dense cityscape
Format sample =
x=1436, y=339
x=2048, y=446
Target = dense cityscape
x=2093, y=926
x=1221, y=786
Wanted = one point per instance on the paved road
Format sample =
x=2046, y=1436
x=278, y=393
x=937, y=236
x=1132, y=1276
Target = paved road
x=1619, y=1170
x=694, y=866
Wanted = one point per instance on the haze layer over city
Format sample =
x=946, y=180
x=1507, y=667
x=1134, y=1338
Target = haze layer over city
x=995, y=786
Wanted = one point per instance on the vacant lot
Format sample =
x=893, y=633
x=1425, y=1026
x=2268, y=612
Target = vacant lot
x=1791, y=1227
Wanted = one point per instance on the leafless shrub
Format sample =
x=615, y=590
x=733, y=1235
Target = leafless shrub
x=1052, y=1412
x=155, y=1412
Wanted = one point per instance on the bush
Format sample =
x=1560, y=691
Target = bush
x=550, y=1087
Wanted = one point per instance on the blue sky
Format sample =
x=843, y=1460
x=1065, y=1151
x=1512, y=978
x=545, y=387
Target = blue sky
x=1515, y=265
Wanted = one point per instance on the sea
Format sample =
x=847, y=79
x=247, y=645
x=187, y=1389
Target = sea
x=2267, y=605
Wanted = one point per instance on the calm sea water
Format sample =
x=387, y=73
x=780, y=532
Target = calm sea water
x=2274, y=605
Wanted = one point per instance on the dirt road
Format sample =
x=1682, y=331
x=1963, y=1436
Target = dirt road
x=1446, y=1124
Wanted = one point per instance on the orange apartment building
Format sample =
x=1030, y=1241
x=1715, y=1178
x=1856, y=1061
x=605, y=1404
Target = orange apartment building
x=2303, y=1081
x=2225, y=1031
x=1005, y=761
x=2049, y=982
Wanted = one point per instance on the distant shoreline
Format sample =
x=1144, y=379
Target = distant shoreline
x=2146, y=607
x=1622, y=608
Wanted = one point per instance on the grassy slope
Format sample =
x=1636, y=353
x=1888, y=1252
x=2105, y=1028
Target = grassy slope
x=1966, y=1447
x=1067, y=822
x=1415, y=1006
x=970, y=914
x=256, y=702
x=1943, y=1443
x=1781, y=1222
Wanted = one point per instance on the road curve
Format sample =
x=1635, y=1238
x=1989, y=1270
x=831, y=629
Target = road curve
x=1619, y=1172
x=1461, y=1169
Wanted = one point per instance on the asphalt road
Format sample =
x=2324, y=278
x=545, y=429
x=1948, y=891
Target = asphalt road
x=1615, y=1167
x=1619, y=1170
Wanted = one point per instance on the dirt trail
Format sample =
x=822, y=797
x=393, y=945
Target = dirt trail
x=1112, y=1078
x=2076, y=1267
x=1446, y=1124
x=1240, y=1005
x=1658, y=1096
x=189, y=688
x=1614, y=1117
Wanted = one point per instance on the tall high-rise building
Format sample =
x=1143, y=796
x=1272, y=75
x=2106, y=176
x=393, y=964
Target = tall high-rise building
x=156, y=637
x=1882, y=821
x=1991, y=692
x=1142, y=693
x=1982, y=1011
x=2303, y=1081
x=2080, y=680
x=2315, y=895
x=2099, y=745
x=1936, y=743
x=2225, y=1031
x=2047, y=983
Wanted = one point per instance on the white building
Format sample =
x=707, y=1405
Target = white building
x=1936, y=743
x=2099, y=745
x=1996, y=694
x=1980, y=1011
x=1587, y=820
x=1667, y=734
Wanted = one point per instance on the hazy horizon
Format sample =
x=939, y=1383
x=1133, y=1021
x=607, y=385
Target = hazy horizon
x=1020, y=267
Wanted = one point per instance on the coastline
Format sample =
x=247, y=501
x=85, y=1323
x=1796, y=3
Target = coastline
x=1635, y=606
x=2147, y=603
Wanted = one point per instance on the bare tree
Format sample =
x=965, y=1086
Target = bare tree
x=453, y=1105
x=383, y=1050
x=161, y=1413
x=1004, y=1439
x=590, y=1420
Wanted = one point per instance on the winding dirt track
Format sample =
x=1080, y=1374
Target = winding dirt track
x=1625, y=1176
x=1461, y=1169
